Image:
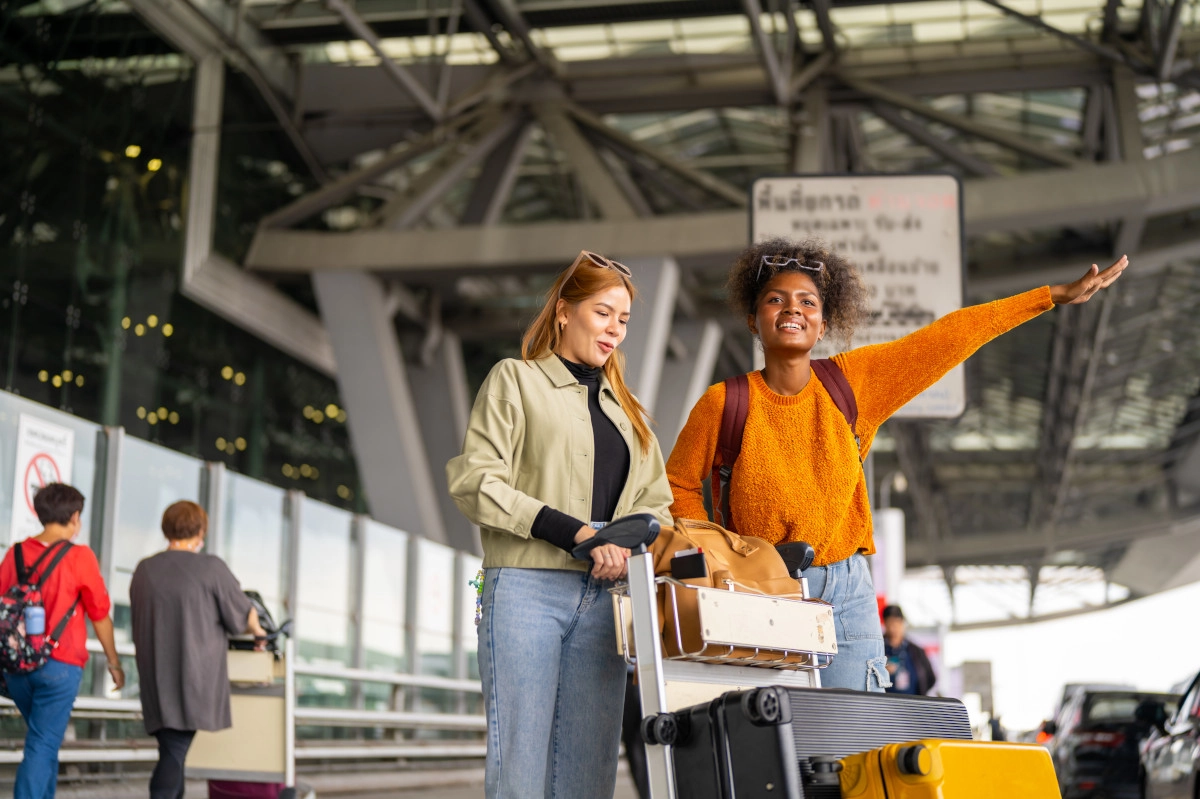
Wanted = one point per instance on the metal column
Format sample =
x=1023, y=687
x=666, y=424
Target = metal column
x=657, y=281
x=441, y=401
x=685, y=378
x=374, y=385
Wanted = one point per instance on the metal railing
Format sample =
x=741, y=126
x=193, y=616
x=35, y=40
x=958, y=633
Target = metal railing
x=146, y=750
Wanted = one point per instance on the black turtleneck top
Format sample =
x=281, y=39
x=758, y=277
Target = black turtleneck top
x=610, y=468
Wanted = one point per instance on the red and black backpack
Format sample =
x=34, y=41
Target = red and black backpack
x=733, y=425
x=21, y=653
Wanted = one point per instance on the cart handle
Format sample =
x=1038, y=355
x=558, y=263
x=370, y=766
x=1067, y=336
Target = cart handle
x=631, y=532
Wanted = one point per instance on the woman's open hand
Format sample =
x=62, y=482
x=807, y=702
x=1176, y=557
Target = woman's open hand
x=1082, y=289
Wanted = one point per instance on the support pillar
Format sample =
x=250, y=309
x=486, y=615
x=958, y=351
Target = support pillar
x=813, y=133
x=373, y=381
x=657, y=281
x=686, y=377
x=440, y=396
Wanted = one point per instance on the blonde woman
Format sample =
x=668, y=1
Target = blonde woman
x=557, y=445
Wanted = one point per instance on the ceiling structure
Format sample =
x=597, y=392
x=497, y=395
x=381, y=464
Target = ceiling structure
x=465, y=149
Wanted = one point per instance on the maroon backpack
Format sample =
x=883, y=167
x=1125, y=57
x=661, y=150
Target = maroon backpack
x=733, y=426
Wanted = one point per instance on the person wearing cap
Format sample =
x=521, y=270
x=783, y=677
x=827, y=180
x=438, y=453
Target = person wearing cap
x=907, y=663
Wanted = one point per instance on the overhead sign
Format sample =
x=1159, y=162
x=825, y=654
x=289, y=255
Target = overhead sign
x=45, y=453
x=902, y=232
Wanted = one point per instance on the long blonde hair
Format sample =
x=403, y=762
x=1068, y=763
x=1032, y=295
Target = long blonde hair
x=543, y=335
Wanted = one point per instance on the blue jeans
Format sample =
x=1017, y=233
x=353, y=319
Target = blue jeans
x=860, y=663
x=45, y=698
x=553, y=685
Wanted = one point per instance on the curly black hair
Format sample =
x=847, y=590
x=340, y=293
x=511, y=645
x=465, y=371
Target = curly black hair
x=844, y=301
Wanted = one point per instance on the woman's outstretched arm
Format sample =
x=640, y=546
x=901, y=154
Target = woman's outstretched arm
x=887, y=376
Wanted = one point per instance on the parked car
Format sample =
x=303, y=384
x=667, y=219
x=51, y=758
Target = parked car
x=1096, y=741
x=1171, y=755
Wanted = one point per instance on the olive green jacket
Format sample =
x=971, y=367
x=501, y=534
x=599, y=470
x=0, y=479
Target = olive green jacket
x=529, y=443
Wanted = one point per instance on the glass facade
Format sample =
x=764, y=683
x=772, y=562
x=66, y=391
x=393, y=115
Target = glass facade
x=331, y=571
x=95, y=155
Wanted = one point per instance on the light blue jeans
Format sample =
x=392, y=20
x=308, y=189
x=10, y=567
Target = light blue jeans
x=860, y=663
x=45, y=698
x=553, y=685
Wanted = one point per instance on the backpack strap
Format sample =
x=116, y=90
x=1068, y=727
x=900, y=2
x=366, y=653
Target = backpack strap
x=62, y=625
x=63, y=548
x=24, y=574
x=834, y=380
x=729, y=445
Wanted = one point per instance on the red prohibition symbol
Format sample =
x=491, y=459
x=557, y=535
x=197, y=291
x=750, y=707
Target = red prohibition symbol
x=42, y=470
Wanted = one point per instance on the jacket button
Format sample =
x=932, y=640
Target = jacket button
x=623, y=427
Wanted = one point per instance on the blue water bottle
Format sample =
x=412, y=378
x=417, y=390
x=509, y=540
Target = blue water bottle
x=35, y=620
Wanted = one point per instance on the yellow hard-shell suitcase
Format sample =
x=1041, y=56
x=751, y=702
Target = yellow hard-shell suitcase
x=943, y=769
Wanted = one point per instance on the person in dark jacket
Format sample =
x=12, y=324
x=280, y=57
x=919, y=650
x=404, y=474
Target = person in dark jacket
x=184, y=605
x=907, y=663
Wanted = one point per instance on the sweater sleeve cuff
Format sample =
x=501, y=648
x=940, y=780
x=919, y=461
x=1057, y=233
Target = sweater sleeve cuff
x=556, y=527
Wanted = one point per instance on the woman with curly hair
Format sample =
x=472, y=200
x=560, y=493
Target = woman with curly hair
x=799, y=476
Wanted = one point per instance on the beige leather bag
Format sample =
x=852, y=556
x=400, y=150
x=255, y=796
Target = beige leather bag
x=742, y=563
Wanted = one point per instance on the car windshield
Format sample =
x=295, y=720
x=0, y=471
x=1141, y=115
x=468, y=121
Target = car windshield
x=1120, y=708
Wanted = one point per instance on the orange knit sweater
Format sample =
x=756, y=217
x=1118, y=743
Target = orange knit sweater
x=799, y=477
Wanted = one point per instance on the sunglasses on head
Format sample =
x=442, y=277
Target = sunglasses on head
x=596, y=259
x=777, y=262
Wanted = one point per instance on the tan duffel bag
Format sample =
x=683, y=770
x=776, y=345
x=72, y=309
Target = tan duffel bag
x=735, y=562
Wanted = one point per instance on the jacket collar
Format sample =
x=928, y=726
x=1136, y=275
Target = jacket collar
x=561, y=377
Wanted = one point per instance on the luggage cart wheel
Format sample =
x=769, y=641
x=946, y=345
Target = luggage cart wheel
x=767, y=706
x=660, y=729
x=287, y=793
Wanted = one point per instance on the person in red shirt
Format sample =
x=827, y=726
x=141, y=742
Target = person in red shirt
x=45, y=697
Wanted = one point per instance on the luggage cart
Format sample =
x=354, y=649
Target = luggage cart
x=748, y=641
x=260, y=747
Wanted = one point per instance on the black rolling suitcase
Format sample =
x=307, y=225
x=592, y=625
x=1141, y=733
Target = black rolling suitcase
x=784, y=743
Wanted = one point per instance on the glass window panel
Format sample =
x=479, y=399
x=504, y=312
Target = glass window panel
x=323, y=624
x=83, y=466
x=151, y=478
x=384, y=586
x=435, y=608
x=253, y=538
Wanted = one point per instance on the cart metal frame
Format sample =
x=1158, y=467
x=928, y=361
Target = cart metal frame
x=670, y=683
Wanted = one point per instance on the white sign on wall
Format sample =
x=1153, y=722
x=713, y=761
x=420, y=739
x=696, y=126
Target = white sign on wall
x=45, y=453
x=902, y=232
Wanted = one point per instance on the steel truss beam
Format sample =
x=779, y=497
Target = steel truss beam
x=778, y=71
x=1018, y=547
x=700, y=178
x=514, y=22
x=330, y=195
x=593, y=175
x=1170, y=41
x=968, y=126
x=1029, y=201
x=1087, y=45
x=212, y=281
x=494, y=185
x=1078, y=334
x=403, y=78
x=912, y=450
x=200, y=27
x=453, y=163
x=923, y=135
